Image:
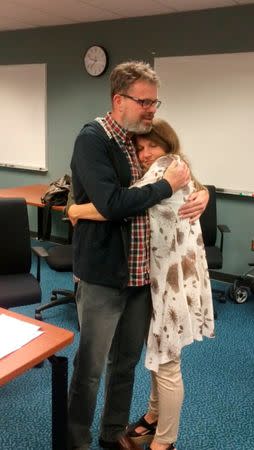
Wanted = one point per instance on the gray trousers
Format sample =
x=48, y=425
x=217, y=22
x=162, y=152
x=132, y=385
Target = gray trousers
x=113, y=326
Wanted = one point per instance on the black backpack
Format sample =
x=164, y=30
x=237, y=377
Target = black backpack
x=56, y=195
x=57, y=192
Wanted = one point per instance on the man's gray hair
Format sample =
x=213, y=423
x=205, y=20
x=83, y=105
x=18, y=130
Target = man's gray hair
x=127, y=73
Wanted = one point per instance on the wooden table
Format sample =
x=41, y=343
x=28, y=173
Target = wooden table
x=32, y=194
x=43, y=347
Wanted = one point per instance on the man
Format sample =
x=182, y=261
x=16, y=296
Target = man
x=111, y=258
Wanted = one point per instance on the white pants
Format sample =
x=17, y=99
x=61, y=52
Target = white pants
x=166, y=400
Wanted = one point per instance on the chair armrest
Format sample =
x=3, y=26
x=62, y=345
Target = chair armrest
x=223, y=229
x=66, y=219
x=40, y=252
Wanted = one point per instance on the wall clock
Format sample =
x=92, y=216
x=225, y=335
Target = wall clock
x=96, y=60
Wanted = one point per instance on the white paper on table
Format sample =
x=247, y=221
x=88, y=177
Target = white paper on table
x=15, y=333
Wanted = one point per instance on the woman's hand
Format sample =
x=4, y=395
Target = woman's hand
x=194, y=206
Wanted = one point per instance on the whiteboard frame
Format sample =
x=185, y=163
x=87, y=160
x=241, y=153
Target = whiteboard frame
x=177, y=83
x=41, y=73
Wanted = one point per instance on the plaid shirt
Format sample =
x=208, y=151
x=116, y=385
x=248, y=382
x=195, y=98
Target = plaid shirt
x=139, y=255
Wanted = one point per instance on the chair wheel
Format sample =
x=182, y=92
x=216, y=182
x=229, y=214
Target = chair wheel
x=241, y=294
x=38, y=316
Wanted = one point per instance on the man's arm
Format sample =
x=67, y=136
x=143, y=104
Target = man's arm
x=89, y=212
x=196, y=202
x=85, y=211
x=194, y=206
x=94, y=174
x=177, y=175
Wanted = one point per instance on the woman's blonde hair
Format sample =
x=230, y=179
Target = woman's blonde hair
x=162, y=134
x=165, y=136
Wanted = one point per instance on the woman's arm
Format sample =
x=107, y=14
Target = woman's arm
x=84, y=211
x=196, y=202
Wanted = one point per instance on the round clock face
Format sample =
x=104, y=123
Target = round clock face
x=96, y=60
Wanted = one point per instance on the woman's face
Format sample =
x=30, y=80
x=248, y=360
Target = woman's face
x=148, y=151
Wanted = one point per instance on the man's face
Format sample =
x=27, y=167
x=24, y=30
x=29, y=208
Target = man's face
x=135, y=117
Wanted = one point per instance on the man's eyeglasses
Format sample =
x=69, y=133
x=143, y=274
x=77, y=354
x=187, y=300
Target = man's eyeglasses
x=144, y=102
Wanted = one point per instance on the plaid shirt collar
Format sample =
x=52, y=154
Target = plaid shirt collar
x=117, y=131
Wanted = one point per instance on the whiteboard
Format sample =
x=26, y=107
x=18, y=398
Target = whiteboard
x=23, y=116
x=209, y=100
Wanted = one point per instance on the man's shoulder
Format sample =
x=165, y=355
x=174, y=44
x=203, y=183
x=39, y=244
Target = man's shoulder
x=92, y=128
x=93, y=134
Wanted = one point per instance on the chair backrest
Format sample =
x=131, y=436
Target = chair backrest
x=208, y=220
x=15, y=242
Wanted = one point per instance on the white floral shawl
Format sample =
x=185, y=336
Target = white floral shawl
x=180, y=285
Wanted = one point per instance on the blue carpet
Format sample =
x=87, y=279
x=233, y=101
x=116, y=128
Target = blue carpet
x=218, y=374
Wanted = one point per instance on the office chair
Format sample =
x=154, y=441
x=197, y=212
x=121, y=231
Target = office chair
x=18, y=286
x=242, y=287
x=209, y=226
x=59, y=258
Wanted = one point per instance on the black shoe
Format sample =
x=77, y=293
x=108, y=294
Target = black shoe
x=170, y=447
x=145, y=437
x=111, y=445
x=126, y=443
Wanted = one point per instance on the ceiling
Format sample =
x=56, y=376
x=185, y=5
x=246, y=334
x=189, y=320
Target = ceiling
x=18, y=14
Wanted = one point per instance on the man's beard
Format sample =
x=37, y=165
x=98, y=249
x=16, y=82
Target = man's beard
x=137, y=127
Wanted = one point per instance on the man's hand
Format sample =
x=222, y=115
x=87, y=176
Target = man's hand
x=177, y=175
x=84, y=211
x=194, y=206
x=72, y=214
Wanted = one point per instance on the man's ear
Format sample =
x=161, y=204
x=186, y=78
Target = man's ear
x=117, y=102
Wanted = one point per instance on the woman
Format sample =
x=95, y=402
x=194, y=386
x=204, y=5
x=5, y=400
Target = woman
x=180, y=288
